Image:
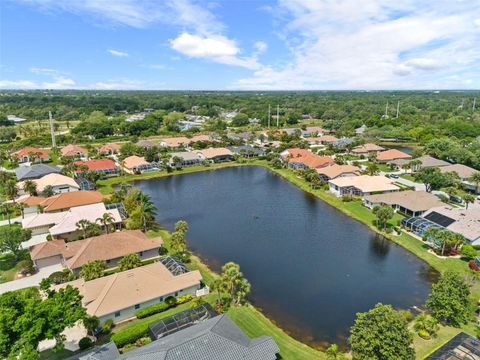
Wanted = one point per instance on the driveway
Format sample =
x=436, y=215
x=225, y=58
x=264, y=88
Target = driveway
x=72, y=337
x=30, y=281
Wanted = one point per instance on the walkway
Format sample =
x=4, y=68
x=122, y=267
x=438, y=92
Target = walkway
x=30, y=281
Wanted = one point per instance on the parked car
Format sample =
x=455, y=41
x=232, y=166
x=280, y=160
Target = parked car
x=394, y=176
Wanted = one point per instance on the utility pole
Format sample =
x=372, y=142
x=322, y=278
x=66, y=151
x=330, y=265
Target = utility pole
x=398, y=109
x=269, y=114
x=52, y=132
x=278, y=114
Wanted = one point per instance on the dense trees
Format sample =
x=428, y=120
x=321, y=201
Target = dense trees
x=381, y=333
x=233, y=284
x=26, y=319
x=11, y=238
x=434, y=179
x=448, y=302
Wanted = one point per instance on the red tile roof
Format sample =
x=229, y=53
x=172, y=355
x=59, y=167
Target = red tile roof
x=392, y=154
x=101, y=164
x=42, y=153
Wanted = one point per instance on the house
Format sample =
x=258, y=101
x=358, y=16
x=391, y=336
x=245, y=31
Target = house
x=334, y=171
x=59, y=183
x=35, y=171
x=110, y=149
x=32, y=154
x=392, y=154
x=242, y=136
x=186, y=158
x=175, y=143
x=341, y=143
x=246, y=151
x=216, y=154
x=294, y=153
x=464, y=173
x=138, y=165
x=65, y=201
x=110, y=247
x=64, y=224
x=311, y=161
x=215, y=338
x=119, y=296
x=327, y=139
x=410, y=202
x=74, y=151
x=30, y=203
x=105, y=167
x=429, y=161
x=362, y=185
x=366, y=149
x=465, y=222
x=146, y=144
x=361, y=130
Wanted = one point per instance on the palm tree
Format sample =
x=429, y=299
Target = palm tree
x=30, y=187
x=21, y=206
x=83, y=226
x=106, y=221
x=414, y=164
x=5, y=209
x=469, y=199
x=11, y=190
x=147, y=209
x=48, y=191
x=405, y=167
x=372, y=169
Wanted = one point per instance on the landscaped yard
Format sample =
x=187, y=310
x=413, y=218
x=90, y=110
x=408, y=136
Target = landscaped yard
x=8, y=267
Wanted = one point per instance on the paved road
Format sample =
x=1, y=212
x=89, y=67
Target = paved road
x=29, y=281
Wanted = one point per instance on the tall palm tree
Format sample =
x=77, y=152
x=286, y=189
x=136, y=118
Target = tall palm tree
x=107, y=221
x=11, y=190
x=30, y=187
x=147, y=209
x=83, y=226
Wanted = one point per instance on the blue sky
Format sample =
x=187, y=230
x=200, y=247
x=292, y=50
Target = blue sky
x=246, y=45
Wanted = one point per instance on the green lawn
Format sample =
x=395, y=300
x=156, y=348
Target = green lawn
x=8, y=268
x=424, y=348
x=407, y=176
x=58, y=355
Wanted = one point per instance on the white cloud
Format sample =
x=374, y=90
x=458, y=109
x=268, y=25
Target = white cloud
x=217, y=48
x=122, y=84
x=118, y=53
x=18, y=84
x=371, y=44
x=260, y=47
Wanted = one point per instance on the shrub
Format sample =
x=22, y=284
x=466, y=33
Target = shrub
x=162, y=251
x=59, y=277
x=473, y=265
x=171, y=301
x=85, y=343
x=388, y=230
x=407, y=315
x=468, y=251
x=151, y=310
x=183, y=299
x=130, y=335
x=424, y=334
x=107, y=326
x=26, y=266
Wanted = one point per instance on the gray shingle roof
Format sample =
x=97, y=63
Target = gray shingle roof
x=35, y=171
x=104, y=352
x=214, y=339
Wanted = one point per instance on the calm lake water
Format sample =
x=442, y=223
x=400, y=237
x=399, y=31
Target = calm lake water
x=311, y=267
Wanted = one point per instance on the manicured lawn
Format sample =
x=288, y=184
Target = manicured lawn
x=52, y=355
x=8, y=268
x=407, y=176
x=423, y=348
x=255, y=324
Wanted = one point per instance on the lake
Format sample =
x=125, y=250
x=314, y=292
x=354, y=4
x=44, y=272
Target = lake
x=311, y=267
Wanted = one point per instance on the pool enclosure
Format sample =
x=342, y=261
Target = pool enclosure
x=419, y=225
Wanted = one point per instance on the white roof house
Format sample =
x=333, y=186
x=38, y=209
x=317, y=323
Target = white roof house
x=361, y=185
x=60, y=183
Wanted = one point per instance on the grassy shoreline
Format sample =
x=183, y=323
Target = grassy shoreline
x=252, y=321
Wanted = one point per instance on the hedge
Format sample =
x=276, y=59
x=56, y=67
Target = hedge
x=130, y=334
x=151, y=310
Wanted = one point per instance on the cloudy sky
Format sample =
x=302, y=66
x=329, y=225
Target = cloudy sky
x=240, y=44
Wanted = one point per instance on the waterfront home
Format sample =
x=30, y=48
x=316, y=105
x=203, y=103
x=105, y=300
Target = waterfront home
x=465, y=222
x=463, y=172
x=137, y=165
x=186, y=158
x=59, y=183
x=391, y=154
x=362, y=185
x=74, y=151
x=213, y=338
x=334, y=171
x=294, y=152
x=64, y=224
x=35, y=171
x=105, y=167
x=367, y=149
x=216, y=154
x=308, y=160
x=110, y=248
x=410, y=202
x=246, y=151
x=31, y=154
x=119, y=296
x=60, y=202
x=110, y=149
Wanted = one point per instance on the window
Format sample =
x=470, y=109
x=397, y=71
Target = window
x=117, y=314
x=141, y=253
x=137, y=306
x=160, y=299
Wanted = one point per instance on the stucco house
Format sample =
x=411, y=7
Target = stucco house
x=362, y=185
x=110, y=247
x=392, y=154
x=119, y=296
x=105, y=167
x=186, y=158
x=59, y=183
x=334, y=171
x=74, y=151
x=32, y=154
x=35, y=171
x=137, y=165
x=216, y=154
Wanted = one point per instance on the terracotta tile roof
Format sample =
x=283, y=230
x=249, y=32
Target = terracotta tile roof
x=30, y=201
x=336, y=170
x=121, y=290
x=96, y=165
x=110, y=147
x=366, y=183
x=313, y=161
x=410, y=199
x=42, y=153
x=71, y=199
x=73, y=150
x=134, y=161
x=55, y=247
x=392, y=154
x=295, y=152
x=366, y=148
x=196, y=138
x=112, y=246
